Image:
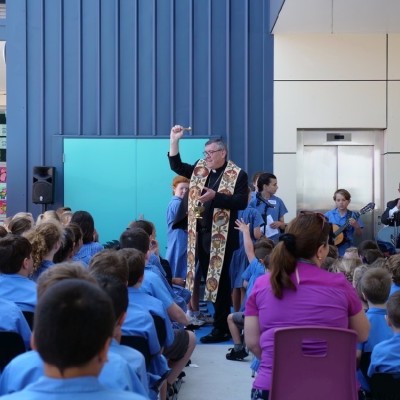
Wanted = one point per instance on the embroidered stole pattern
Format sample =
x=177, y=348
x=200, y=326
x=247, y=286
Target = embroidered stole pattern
x=219, y=230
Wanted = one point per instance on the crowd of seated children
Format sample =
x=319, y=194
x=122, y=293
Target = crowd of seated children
x=176, y=285
x=111, y=262
x=184, y=341
x=153, y=283
x=386, y=354
x=139, y=299
x=16, y=265
x=239, y=261
x=118, y=293
x=74, y=324
x=161, y=266
x=347, y=264
x=375, y=287
x=28, y=367
x=45, y=239
x=258, y=258
x=90, y=244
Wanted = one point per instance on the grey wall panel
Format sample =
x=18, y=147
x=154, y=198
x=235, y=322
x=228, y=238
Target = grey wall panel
x=132, y=68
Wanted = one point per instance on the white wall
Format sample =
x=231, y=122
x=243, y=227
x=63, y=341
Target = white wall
x=335, y=81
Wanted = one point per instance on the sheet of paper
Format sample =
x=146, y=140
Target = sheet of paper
x=268, y=230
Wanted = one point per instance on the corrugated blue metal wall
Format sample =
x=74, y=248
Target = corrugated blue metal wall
x=133, y=68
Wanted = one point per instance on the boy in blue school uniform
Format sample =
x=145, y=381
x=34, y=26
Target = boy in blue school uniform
x=386, y=355
x=16, y=265
x=341, y=215
x=105, y=266
x=258, y=256
x=27, y=368
x=375, y=287
x=74, y=323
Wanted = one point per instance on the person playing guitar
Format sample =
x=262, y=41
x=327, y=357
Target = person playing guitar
x=341, y=216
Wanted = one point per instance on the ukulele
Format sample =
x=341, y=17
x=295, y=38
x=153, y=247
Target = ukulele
x=339, y=236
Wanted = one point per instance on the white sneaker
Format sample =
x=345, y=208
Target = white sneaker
x=205, y=318
x=194, y=321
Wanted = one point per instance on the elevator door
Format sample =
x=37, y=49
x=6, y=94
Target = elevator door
x=325, y=167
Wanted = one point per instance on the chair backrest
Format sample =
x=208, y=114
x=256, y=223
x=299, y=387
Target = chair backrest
x=385, y=387
x=11, y=345
x=365, y=361
x=140, y=344
x=29, y=315
x=312, y=362
x=159, y=323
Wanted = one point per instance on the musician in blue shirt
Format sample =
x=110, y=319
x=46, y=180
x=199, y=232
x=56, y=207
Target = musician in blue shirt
x=340, y=216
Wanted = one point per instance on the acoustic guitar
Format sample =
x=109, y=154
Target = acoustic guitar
x=339, y=234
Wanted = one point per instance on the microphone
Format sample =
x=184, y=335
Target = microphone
x=262, y=200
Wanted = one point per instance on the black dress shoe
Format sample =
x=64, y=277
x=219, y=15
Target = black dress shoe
x=215, y=336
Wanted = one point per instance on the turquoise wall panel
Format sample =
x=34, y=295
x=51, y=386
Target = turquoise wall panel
x=118, y=181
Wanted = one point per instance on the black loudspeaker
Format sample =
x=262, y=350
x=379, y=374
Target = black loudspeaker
x=43, y=185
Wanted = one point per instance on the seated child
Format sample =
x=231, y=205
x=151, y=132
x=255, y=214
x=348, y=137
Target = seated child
x=89, y=236
x=45, y=240
x=386, y=355
x=375, y=286
x=258, y=256
x=16, y=265
x=74, y=323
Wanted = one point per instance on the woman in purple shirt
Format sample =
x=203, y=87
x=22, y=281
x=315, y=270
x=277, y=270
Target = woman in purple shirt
x=298, y=292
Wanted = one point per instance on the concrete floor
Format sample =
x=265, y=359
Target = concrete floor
x=216, y=378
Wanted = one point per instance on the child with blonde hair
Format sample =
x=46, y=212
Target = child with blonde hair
x=45, y=239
